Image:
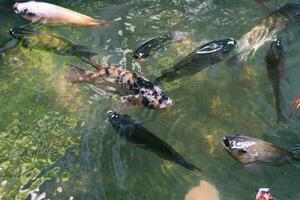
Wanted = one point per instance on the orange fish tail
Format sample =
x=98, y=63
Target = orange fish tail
x=99, y=23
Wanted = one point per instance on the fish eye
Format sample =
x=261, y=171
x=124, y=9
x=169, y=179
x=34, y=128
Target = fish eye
x=30, y=14
x=242, y=151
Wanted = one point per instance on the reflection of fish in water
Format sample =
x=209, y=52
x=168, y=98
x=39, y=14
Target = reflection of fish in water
x=248, y=150
x=53, y=14
x=149, y=47
x=204, y=56
x=139, y=135
x=136, y=88
x=51, y=43
x=275, y=60
x=264, y=31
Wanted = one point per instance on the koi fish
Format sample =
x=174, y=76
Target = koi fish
x=276, y=22
x=52, y=14
x=264, y=194
x=135, y=88
x=275, y=60
x=55, y=44
x=137, y=134
x=150, y=47
x=204, y=56
x=248, y=150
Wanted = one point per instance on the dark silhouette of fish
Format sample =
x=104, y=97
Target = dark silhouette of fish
x=204, y=56
x=55, y=44
x=148, y=48
x=248, y=150
x=136, y=133
x=275, y=60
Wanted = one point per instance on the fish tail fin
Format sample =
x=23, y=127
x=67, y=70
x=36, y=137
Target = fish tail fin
x=75, y=75
x=167, y=75
x=100, y=23
x=186, y=164
x=281, y=118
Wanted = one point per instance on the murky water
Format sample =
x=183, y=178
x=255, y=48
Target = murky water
x=56, y=142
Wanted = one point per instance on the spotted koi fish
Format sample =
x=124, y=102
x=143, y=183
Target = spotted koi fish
x=135, y=88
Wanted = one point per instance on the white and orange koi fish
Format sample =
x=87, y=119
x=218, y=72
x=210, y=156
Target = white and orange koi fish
x=52, y=14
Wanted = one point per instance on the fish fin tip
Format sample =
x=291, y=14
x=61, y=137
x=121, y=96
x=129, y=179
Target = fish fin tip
x=75, y=74
x=282, y=119
x=101, y=23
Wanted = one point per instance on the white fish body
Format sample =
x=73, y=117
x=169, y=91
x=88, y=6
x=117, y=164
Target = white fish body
x=53, y=14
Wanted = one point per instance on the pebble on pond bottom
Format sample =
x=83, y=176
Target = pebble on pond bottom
x=204, y=191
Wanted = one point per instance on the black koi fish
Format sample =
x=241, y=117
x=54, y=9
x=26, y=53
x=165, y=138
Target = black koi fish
x=140, y=136
x=204, y=56
x=275, y=60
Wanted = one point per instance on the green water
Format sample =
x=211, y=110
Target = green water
x=55, y=136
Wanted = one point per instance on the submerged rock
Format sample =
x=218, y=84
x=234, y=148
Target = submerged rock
x=204, y=191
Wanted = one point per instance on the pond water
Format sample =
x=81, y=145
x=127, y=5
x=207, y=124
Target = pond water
x=56, y=143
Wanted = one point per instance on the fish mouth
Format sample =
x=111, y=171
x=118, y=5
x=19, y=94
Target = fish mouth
x=226, y=143
x=15, y=7
x=232, y=41
x=12, y=32
x=166, y=103
x=110, y=114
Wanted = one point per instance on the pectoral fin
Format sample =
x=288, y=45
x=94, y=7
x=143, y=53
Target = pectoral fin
x=256, y=169
x=26, y=44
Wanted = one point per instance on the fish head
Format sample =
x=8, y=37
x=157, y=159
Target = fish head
x=142, y=53
x=138, y=55
x=28, y=10
x=241, y=148
x=222, y=47
x=20, y=32
x=228, y=45
x=118, y=121
x=277, y=49
x=154, y=96
x=291, y=11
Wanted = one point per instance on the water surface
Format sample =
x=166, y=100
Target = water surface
x=55, y=139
